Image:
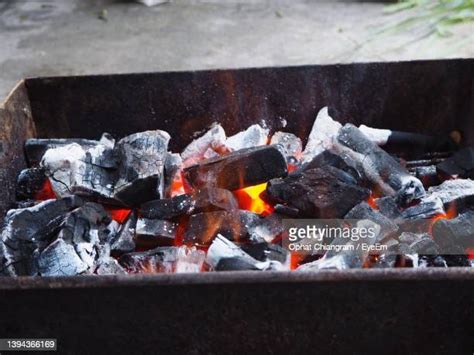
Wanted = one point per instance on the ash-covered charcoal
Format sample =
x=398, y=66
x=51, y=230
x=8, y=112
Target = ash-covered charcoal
x=204, y=200
x=161, y=259
x=458, y=231
x=455, y=193
x=364, y=211
x=141, y=172
x=27, y=229
x=110, y=266
x=173, y=165
x=317, y=193
x=30, y=184
x=223, y=249
x=35, y=148
x=61, y=259
x=460, y=165
x=74, y=170
x=243, y=168
x=234, y=225
x=124, y=240
x=253, y=136
x=414, y=243
x=428, y=207
x=265, y=228
x=385, y=173
x=152, y=233
x=329, y=158
x=427, y=175
x=346, y=255
x=213, y=141
x=388, y=207
x=189, y=260
x=321, y=137
x=289, y=145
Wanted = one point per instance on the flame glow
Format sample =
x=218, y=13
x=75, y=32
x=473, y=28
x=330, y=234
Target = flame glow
x=46, y=192
x=249, y=199
x=118, y=214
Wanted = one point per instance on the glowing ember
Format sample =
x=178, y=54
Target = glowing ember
x=470, y=253
x=291, y=168
x=249, y=199
x=371, y=202
x=295, y=260
x=450, y=214
x=118, y=214
x=46, y=193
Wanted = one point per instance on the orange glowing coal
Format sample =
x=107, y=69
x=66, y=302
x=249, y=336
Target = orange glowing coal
x=249, y=199
x=450, y=214
x=118, y=214
x=371, y=202
x=46, y=192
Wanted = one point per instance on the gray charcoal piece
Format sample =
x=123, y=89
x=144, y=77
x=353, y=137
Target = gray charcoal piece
x=239, y=169
x=458, y=231
x=214, y=139
x=253, y=136
x=317, y=193
x=155, y=232
x=124, y=240
x=385, y=173
x=141, y=172
x=29, y=183
x=460, y=165
x=455, y=193
x=161, y=259
x=388, y=207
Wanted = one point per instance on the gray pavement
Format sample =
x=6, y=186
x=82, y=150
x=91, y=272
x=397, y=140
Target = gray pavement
x=66, y=37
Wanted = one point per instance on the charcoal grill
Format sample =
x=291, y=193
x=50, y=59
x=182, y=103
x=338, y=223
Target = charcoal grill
x=353, y=311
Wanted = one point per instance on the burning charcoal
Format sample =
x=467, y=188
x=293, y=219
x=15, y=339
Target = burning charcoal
x=413, y=243
x=458, y=231
x=124, y=240
x=388, y=207
x=328, y=158
x=321, y=136
x=428, y=207
x=266, y=251
x=289, y=145
x=253, y=136
x=286, y=211
x=222, y=248
x=364, y=211
x=427, y=175
x=246, y=167
x=73, y=170
x=35, y=148
x=213, y=139
x=26, y=229
x=189, y=260
x=318, y=193
x=342, y=255
x=455, y=193
x=264, y=229
x=161, y=259
x=142, y=166
x=460, y=165
x=155, y=232
x=234, y=225
x=204, y=200
x=168, y=208
x=385, y=173
x=60, y=259
x=173, y=164
x=30, y=184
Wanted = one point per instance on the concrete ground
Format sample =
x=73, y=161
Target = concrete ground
x=59, y=37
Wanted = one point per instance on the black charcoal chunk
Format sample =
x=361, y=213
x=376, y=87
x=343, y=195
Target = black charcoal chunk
x=141, y=172
x=386, y=174
x=30, y=183
x=388, y=207
x=364, y=211
x=458, y=231
x=289, y=145
x=234, y=225
x=427, y=175
x=35, y=148
x=154, y=232
x=235, y=264
x=124, y=239
x=110, y=266
x=222, y=248
x=161, y=259
x=266, y=251
x=460, y=165
x=318, y=193
x=168, y=208
x=286, y=210
x=414, y=243
x=242, y=168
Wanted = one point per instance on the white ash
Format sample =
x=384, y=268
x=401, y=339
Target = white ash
x=377, y=135
x=60, y=259
x=429, y=206
x=253, y=136
x=321, y=137
x=289, y=145
x=222, y=248
x=452, y=190
x=213, y=139
x=189, y=260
